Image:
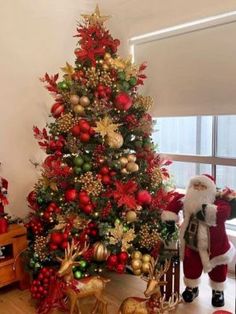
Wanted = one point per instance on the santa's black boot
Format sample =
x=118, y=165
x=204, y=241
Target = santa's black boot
x=190, y=294
x=217, y=298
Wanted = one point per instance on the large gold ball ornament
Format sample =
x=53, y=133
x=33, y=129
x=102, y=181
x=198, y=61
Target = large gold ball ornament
x=146, y=258
x=136, y=255
x=137, y=272
x=131, y=216
x=136, y=264
x=131, y=157
x=105, y=67
x=100, y=252
x=123, y=161
x=132, y=167
x=74, y=100
x=115, y=140
x=145, y=267
x=84, y=101
x=79, y=109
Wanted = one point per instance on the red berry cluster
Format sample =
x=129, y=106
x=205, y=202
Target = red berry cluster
x=131, y=121
x=106, y=210
x=56, y=145
x=92, y=229
x=58, y=240
x=117, y=262
x=85, y=202
x=103, y=91
x=35, y=225
x=105, y=174
x=79, y=76
x=82, y=130
x=40, y=286
x=50, y=210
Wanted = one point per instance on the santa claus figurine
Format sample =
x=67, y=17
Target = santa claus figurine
x=3, y=193
x=204, y=245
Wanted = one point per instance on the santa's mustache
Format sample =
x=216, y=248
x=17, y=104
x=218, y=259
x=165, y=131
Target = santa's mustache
x=194, y=199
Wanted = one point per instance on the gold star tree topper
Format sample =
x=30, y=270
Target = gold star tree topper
x=95, y=18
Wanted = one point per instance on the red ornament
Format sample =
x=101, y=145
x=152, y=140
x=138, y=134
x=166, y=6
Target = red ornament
x=64, y=244
x=112, y=260
x=56, y=237
x=120, y=268
x=104, y=170
x=84, y=199
x=123, y=101
x=106, y=180
x=144, y=197
x=53, y=246
x=123, y=257
x=84, y=137
x=3, y=225
x=87, y=209
x=76, y=130
x=71, y=195
x=84, y=126
x=57, y=109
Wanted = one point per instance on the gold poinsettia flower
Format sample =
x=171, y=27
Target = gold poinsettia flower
x=117, y=235
x=105, y=126
x=68, y=70
x=126, y=65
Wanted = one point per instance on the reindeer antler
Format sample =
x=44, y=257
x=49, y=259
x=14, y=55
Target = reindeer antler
x=170, y=305
x=163, y=270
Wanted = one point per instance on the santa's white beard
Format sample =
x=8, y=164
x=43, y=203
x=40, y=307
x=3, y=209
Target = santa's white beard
x=194, y=199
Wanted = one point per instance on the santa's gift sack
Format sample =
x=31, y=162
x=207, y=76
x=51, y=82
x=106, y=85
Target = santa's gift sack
x=3, y=225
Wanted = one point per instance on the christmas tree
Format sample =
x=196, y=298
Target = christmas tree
x=102, y=184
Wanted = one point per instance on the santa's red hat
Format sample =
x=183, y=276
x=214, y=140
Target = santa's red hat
x=210, y=177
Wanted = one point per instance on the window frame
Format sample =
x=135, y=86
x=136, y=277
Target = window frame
x=212, y=159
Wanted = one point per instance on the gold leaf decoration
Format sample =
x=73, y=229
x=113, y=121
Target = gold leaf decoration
x=118, y=235
x=106, y=127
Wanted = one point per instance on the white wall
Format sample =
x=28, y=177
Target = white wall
x=35, y=37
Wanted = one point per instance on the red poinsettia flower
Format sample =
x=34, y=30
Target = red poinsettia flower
x=124, y=194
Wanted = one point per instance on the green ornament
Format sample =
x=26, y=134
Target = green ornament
x=133, y=81
x=125, y=86
x=78, y=274
x=63, y=85
x=87, y=167
x=77, y=170
x=78, y=161
x=82, y=264
x=121, y=76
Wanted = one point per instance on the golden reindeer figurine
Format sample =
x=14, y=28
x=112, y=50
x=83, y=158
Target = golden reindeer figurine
x=78, y=289
x=154, y=303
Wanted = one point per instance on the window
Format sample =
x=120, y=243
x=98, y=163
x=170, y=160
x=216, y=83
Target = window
x=199, y=144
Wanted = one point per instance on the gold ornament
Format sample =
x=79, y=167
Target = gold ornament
x=91, y=184
x=68, y=70
x=137, y=272
x=100, y=252
x=95, y=18
x=124, y=171
x=74, y=100
x=84, y=101
x=131, y=216
x=79, y=110
x=136, y=264
x=123, y=161
x=131, y=157
x=118, y=235
x=146, y=258
x=65, y=122
x=105, y=127
x=136, y=255
x=145, y=267
x=115, y=140
x=107, y=56
x=132, y=167
x=72, y=144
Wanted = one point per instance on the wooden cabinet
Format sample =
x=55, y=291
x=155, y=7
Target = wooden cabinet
x=11, y=267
